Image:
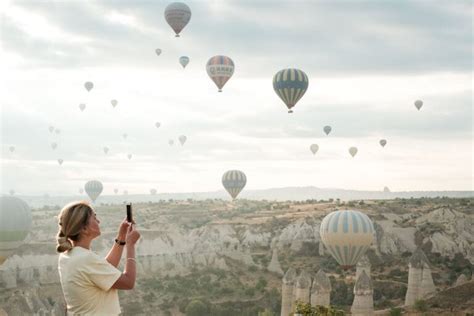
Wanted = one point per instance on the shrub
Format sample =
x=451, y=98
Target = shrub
x=395, y=311
x=421, y=306
x=197, y=308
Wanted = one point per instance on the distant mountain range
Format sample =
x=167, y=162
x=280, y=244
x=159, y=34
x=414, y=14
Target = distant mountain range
x=277, y=194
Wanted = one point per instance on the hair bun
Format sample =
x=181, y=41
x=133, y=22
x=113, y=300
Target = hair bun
x=64, y=244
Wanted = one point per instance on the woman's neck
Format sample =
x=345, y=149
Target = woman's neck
x=84, y=243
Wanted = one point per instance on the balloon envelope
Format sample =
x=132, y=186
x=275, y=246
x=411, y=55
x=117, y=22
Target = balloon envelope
x=153, y=191
x=184, y=60
x=82, y=107
x=106, y=150
x=418, y=104
x=157, y=124
x=314, y=148
x=182, y=139
x=51, y=129
x=54, y=145
x=234, y=181
x=15, y=223
x=290, y=85
x=327, y=129
x=129, y=156
x=353, y=151
x=383, y=142
x=158, y=51
x=88, y=85
x=220, y=69
x=12, y=148
x=93, y=189
x=177, y=14
x=114, y=103
x=60, y=161
x=116, y=191
x=347, y=234
x=171, y=142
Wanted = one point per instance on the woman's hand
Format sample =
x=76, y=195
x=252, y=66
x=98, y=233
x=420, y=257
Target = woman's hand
x=132, y=235
x=122, y=233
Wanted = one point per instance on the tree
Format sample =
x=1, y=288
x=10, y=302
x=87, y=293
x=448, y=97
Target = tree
x=197, y=308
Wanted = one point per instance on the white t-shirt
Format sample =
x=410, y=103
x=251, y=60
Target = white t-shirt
x=86, y=280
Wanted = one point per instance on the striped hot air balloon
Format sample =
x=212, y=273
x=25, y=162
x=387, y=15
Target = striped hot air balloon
x=177, y=14
x=234, y=181
x=290, y=85
x=347, y=235
x=15, y=223
x=93, y=189
x=220, y=69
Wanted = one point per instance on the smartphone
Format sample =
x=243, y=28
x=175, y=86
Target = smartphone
x=129, y=213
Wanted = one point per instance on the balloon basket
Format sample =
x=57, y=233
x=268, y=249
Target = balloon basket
x=219, y=90
x=177, y=35
x=290, y=111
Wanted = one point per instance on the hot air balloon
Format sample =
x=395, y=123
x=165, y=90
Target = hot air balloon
x=158, y=51
x=12, y=148
x=129, y=156
x=327, y=129
x=314, y=148
x=106, y=150
x=386, y=190
x=114, y=103
x=234, y=181
x=418, y=104
x=54, y=146
x=152, y=191
x=157, y=124
x=88, y=85
x=182, y=139
x=290, y=85
x=184, y=60
x=57, y=131
x=177, y=14
x=347, y=234
x=116, y=191
x=171, y=142
x=51, y=129
x=220, y=69
x=124, y=135
x=353, y=151
x=82, y=107
x=93, y=189
x=12, y=192
x=60, y=161
x=15, y=223
x=383, y=142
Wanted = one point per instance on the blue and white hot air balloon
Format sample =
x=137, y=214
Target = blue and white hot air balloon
x=290, y=85
x=15, y=223
x=234, y=181
x=93, y=189
x=347, y=235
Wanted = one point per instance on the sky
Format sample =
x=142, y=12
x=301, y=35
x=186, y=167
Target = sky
x=367, y=62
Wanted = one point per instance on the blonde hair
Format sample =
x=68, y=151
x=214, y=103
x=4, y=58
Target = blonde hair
x=72, y=219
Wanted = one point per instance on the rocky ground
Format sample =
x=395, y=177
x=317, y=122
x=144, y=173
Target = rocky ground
x=229, y=256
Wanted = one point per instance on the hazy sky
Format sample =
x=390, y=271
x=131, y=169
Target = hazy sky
x=367, y=62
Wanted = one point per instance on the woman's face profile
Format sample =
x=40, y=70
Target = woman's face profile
x=93, y=228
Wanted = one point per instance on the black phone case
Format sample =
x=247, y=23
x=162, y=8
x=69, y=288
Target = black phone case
x=129, y=213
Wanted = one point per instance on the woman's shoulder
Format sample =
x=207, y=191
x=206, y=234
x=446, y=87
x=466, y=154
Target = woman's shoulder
x=78, y=254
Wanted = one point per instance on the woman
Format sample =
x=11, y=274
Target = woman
x=89, y=282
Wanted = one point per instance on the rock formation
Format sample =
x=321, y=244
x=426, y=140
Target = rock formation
x=363, y=265
x=363, y=304
x=288, y=284
x=303, y=287
x=274, y=265
x=461, y=280
x=321, y=289
x=420, y=281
